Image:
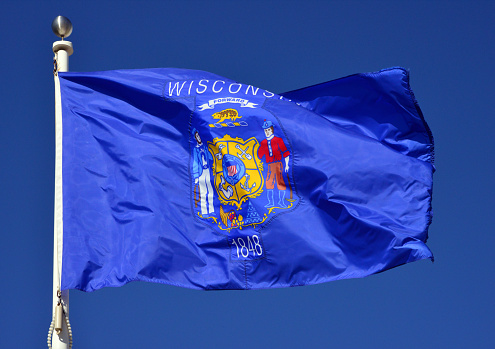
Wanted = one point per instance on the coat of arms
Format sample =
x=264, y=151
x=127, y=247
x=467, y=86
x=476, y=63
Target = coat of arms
x=240, y=173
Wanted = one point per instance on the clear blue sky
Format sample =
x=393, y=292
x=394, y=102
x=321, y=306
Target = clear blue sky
x=278, y=46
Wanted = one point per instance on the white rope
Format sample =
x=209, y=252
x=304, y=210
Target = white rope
x=55, y=64
x=50, y=332
x=69, y=330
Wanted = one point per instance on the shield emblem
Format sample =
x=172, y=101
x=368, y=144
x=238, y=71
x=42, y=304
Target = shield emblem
x=237, y=170
x=233, y=169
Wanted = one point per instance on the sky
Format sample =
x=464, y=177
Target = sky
x=279, y=46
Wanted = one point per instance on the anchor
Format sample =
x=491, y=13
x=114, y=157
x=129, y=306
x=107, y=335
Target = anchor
x=246, y=184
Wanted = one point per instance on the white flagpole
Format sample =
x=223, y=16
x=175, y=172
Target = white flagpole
x=60, y=333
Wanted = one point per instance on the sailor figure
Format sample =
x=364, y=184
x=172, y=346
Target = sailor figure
x=273, y=149
x=202, y=161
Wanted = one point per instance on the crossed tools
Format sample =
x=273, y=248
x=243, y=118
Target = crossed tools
x=243, y=152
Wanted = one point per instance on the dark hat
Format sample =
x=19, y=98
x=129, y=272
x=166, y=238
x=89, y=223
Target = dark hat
x=267, y=124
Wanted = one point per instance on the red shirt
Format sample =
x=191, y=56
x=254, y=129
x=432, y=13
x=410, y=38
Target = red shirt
x=278, y=150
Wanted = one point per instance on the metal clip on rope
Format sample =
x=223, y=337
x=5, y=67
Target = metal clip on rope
x=56, y=323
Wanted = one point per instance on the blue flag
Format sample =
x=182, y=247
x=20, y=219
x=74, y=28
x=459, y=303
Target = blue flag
x=191, y=179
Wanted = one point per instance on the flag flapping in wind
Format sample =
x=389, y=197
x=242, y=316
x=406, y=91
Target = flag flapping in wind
x=187, y=178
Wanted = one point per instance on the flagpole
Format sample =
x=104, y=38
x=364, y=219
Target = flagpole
x=60, y=333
